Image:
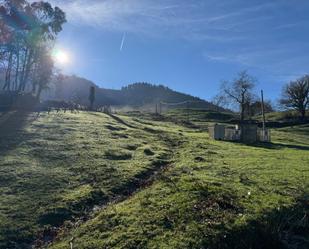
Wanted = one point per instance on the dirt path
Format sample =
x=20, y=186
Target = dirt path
x=140, y=181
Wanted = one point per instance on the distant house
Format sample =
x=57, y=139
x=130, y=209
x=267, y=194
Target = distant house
x=247, y=133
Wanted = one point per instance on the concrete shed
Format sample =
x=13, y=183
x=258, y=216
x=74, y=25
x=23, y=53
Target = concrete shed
x=249, y=133
x=232, y=134
x=217, y=132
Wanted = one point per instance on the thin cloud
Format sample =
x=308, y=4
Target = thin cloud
x=156, y=18
x=242, y=12
x=292, y=25
x=272, y=60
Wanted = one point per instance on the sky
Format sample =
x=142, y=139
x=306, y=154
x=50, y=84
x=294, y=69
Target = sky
x=188, y=45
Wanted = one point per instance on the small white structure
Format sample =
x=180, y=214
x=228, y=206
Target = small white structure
x=249, y=133
x=217, y=132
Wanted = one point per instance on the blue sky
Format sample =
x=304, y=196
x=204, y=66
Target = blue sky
x=188, y=45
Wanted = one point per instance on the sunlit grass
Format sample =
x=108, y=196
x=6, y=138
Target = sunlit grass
x=150, y=182
x=60, y=165
x=215, y=194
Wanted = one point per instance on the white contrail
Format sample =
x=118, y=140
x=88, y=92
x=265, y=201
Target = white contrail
x=122, y=41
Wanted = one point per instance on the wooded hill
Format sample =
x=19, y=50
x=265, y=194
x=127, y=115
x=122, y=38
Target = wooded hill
x=76, y=89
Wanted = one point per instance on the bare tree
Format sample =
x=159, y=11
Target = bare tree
x=295, y=95
x=219, y=101
x=240, y=92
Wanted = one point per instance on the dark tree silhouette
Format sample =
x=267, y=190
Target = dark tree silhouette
x=256, y=107
x=43, y=73
x=295, y=95
x=92, y=96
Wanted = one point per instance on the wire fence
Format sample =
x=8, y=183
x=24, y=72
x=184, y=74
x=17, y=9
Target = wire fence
x=188, y=104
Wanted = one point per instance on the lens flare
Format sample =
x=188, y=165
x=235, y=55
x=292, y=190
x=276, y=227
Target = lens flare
x=61, y=57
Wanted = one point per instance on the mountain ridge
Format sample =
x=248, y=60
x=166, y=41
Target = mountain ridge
x=139, y=94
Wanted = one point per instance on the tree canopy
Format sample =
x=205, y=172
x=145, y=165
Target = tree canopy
x=240, y=91
x=295, y=95
x=27, y=35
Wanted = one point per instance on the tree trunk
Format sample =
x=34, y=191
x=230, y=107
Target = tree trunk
x=22, y=75
x=22, y=86
x=33, y=88
x=7, y=85
x=242, y=107
x=242, y=113
x=302, y=114
x=38, y=95
x=16, y=71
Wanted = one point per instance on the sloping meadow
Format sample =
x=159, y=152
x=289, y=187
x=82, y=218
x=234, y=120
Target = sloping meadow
x=92, y=180
x=58, y=167
x=215, y=195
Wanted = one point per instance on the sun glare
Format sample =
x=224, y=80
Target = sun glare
x=61, y=57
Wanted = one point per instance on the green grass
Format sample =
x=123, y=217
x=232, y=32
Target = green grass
x=58, y=166
x=216, y=195
x=198, y=115
x=149, y=182
x=289, y=115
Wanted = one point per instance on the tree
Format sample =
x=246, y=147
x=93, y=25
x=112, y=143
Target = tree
x=27, y=33
x=239, y=92
x=256, y=107
x=295, y=95
x=219, y=101
x=59, y=79
x=44, y=72
x=92, y=97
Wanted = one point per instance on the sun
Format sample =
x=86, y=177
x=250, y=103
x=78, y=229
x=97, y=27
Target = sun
x=61, y=57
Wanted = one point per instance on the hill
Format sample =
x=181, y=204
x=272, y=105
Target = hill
x=143, y=181
x=73, y=88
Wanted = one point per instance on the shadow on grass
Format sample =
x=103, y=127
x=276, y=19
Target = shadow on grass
x=278, y=146
x=121, y=121
x=12, y=129
x=288, y=123
x=287, y=227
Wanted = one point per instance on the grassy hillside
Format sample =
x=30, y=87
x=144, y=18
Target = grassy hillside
x=55, y=167
x=140, y=181
x=285, y=116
